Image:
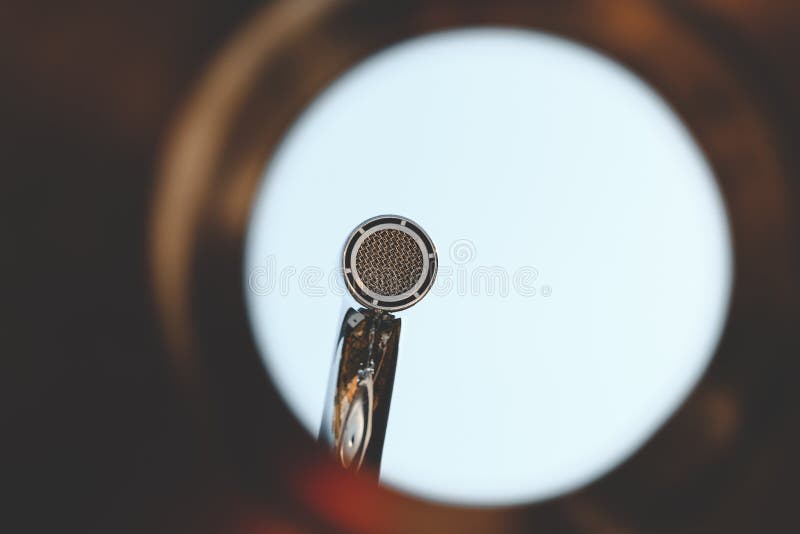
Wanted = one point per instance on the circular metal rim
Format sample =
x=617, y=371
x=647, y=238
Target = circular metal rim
x=397, y=302
x=357, y=275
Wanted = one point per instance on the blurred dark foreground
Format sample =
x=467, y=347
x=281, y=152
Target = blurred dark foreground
x=96, y=437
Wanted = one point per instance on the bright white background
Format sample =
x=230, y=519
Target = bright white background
x=541, y=153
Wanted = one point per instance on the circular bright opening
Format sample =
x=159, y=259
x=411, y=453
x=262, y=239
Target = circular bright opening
x=585, y=263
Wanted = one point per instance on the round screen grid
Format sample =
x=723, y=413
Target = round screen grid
x=389, y=262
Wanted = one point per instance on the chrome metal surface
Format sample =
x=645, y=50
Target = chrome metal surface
x=357, y=427
x=356, y=409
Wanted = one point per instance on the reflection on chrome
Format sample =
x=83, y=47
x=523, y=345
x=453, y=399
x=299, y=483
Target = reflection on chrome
x=389, y=264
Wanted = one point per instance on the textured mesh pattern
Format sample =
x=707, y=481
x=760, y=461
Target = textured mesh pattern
x=389, y=262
